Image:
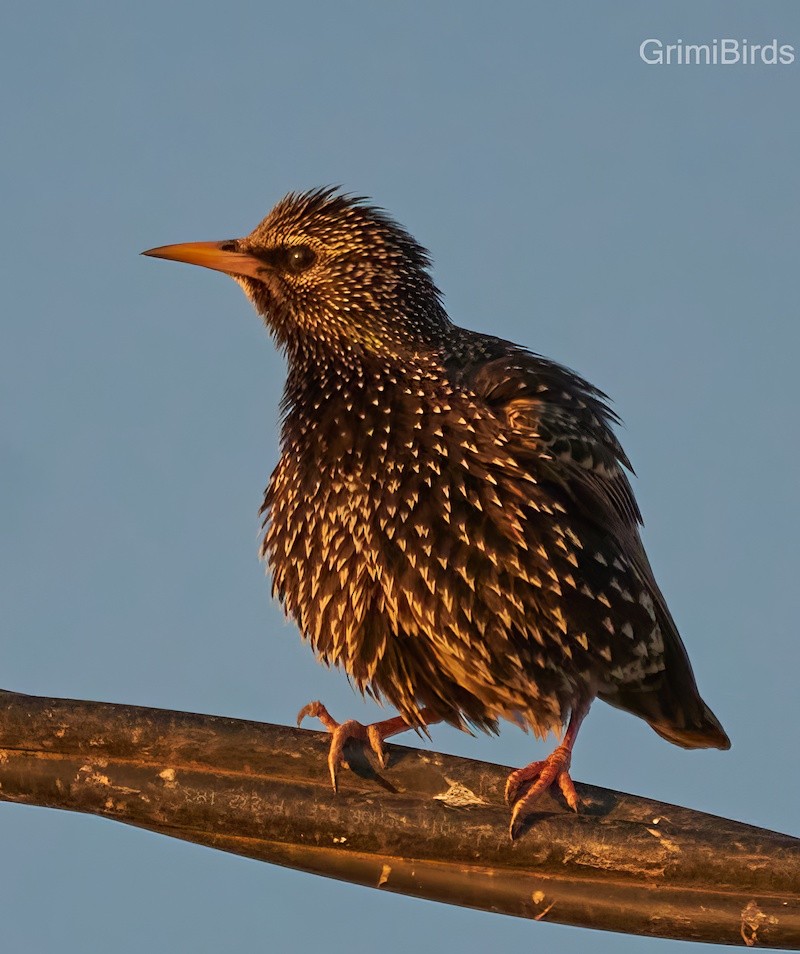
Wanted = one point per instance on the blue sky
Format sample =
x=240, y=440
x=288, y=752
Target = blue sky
x=637, y=223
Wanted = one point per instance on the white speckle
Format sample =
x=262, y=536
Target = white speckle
x=647, y=602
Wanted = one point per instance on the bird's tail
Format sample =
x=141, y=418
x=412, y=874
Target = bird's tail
x=705, y=733
x=675, y=712
x=669, y=700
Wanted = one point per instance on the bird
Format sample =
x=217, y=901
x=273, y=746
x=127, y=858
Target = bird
x=451, y=520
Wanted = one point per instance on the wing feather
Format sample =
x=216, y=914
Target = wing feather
x=565, y=424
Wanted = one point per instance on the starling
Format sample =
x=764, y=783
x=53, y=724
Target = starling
x=450, y=520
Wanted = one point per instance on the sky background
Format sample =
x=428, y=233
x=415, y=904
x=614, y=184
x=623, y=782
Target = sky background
x=637, y=223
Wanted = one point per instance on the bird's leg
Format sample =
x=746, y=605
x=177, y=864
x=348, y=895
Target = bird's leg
x=373, y=734
x=555, y=768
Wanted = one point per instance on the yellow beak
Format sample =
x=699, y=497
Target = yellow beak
x=221, y=256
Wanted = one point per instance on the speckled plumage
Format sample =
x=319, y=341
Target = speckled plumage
x=450, y=521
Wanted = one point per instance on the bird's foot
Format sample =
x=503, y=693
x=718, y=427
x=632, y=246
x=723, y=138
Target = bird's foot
x=553, y=769
x=343, y=732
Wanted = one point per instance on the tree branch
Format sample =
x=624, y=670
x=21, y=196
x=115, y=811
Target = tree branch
x=430, y=825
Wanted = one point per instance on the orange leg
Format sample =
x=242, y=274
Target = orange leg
x=555, y=768
x=342, y=732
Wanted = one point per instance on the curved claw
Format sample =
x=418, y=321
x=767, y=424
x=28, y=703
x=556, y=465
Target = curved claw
x=342, y=733
x=375, y=739
x=340, y=736
x=316, y=710
x=555, y=768
x=305, y=712
x=517, y=779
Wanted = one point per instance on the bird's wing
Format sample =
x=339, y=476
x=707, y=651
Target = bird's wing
x=563, y=425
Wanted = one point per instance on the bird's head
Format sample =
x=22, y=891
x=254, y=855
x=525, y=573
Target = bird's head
x=329, y=272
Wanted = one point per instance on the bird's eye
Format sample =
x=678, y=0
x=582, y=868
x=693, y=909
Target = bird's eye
x=299, y=258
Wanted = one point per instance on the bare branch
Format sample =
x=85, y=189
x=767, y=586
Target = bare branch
x=430, y=825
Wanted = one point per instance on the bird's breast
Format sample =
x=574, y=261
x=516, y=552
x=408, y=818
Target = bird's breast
x=397, y=516
x=422, y=528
